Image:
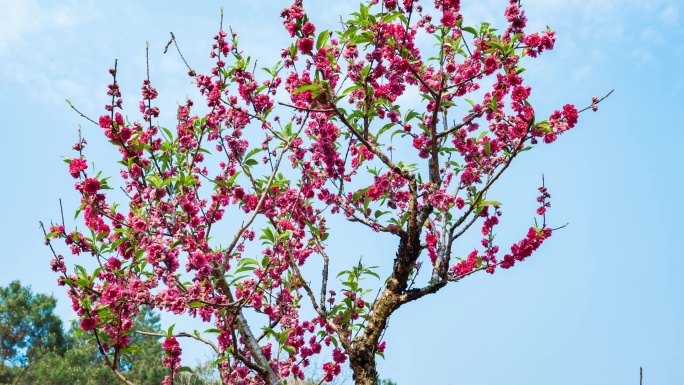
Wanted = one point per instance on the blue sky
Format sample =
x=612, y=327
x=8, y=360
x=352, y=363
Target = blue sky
x=602, y=297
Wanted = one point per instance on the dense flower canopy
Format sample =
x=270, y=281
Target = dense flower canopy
x=275, y=159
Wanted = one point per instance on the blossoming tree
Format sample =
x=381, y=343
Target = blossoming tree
x=223, y=213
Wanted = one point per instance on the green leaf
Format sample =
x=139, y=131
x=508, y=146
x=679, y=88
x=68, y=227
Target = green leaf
x=253, y=152
x=470, y=30
x=285, y=235
x=359, y=193
x=247, y=261
x=267, y=235
x=230, y=181
x=308, y=87
x=411, y=114
x=322, y=39
x=219, y=360
x=494, y=103
x=370, y=272
x=168, y=133
x=244, y=269
x=379, y=213
x=496, y=45
x=490, y=203
x=385, y=128
x=400, y=131
x=349, y=90
x=289, y=349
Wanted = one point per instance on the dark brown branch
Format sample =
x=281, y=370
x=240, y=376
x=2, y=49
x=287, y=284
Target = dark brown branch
x=265, y=192
x=483, y=267
x=417, y=76
x=414, y=294
x=270, y=326
x=342, y=338
x=406, y=174
x=459, y=126
x=262, y=363
x=324, y=277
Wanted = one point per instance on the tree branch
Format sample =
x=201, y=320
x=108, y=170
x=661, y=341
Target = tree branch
x=183, y=334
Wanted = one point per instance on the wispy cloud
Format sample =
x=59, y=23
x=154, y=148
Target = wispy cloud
x=24, y=19
x=670, y=14
x=31, y=49
x=15, y=20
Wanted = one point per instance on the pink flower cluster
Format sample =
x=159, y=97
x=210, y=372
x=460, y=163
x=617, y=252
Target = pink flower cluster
x=350, y=149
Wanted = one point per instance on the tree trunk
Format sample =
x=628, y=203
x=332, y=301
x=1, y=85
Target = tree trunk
x=362, y=363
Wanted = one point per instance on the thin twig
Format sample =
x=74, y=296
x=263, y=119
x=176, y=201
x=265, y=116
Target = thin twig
x=558, y=228
x=597, y=102
x=306, y=109
x=345, y=344
x=47, y=240
x=80, y=113
x=460, y=125
x=183, y=334
x=173, y=40
x=61, y=210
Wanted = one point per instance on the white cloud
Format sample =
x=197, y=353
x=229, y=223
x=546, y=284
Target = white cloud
x=669, y=15
x=34, y=38
x=15, y=20
x=22, y=19
x=582, y=73
x=652, y=36
x=642, y=57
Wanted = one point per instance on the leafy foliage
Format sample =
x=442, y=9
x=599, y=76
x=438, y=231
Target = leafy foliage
x=28, y=329
x=37, y=352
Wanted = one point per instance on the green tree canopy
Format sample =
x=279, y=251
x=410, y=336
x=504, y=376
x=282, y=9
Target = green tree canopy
x=34, y=350
x=82, y=364
x=29, y=329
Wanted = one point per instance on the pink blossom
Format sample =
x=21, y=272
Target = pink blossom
x=308, y=29
x=113, y=263
x=512, y=12
x=170, y=344
x=91, y=186
x=76, y=166
x=520, y=93
x=532, y=40
x=448, y=19
x=88, y=324
x=105, y=121
x=305, y=45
